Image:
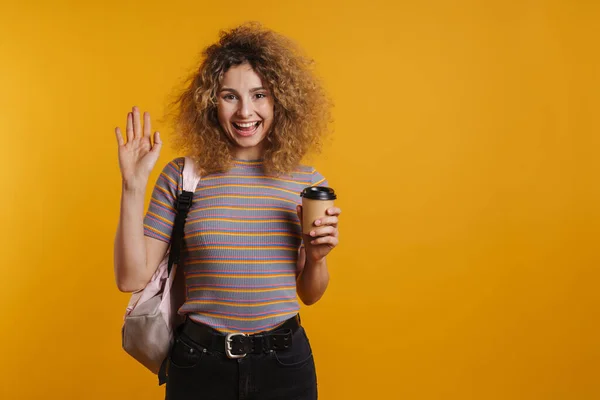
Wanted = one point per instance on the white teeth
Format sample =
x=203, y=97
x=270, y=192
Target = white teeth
x=246, y=125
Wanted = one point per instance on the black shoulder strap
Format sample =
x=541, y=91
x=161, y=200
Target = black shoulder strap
x=184, y=202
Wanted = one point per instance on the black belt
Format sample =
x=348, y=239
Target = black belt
x=238, y=345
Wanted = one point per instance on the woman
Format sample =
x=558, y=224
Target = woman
x=248, y=116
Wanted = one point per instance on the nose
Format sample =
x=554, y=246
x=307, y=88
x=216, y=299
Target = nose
x=245, y=109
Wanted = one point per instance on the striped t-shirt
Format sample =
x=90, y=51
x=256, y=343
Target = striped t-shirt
x=241, y=243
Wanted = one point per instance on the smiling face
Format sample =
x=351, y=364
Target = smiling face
x=245, y=111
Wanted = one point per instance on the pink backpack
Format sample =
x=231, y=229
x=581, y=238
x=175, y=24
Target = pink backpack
x=152, y=313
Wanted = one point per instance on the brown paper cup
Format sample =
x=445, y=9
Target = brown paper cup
x=313, y=210
x=315, y=202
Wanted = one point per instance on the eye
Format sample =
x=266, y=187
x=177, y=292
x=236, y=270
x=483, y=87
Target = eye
x=229, y=96
x=261, y=95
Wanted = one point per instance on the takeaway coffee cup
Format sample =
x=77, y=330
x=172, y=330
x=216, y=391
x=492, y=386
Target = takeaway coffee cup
x=315, y=202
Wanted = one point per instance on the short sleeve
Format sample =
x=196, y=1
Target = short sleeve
x=317, y=179
x=160, y=217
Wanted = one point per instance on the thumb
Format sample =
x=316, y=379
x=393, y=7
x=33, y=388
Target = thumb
x=157, y=143
x=299, y=212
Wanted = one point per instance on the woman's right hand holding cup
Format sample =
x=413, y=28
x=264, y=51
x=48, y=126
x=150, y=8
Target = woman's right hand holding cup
x=138, y=155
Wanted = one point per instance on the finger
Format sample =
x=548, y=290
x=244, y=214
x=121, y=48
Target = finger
x=157, y=143
x=299, y=212
x=323, y=231
x=334, y=211
x=147, y=125
x=330, y=240
x=120, y=140
x=137, y=129
x=129, y=128
x=326, y=221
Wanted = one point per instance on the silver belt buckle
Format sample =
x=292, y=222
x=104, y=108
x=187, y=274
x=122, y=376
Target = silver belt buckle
x=228, y=347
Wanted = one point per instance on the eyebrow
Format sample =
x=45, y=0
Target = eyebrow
x=256, y=89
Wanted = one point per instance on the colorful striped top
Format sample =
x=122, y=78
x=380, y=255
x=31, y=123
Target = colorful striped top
x=241, y=243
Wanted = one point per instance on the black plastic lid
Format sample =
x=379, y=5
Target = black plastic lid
x=318, y=193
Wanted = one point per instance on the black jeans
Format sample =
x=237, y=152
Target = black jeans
x=195, y=373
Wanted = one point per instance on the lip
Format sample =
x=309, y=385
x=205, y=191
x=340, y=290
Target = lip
x=245, y=133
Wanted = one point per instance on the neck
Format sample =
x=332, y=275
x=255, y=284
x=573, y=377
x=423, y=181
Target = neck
x=249, y=154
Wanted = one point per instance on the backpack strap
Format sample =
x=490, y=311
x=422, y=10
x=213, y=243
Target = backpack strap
x=183, y=204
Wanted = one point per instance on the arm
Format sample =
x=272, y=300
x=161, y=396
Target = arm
x=136, y=257
x=312, y=280
x=313, y=275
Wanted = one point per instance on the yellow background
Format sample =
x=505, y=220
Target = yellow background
x=464, y=154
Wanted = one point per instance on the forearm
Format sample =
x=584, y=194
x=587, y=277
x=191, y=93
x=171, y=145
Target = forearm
x=312, y=281
x=130, y=247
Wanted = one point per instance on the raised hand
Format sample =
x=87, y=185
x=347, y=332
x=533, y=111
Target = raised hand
x=137, y=156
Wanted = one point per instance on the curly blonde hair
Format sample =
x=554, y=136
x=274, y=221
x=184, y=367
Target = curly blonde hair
x=301, y=107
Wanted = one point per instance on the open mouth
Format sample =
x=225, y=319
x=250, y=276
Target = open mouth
x=246, y=128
